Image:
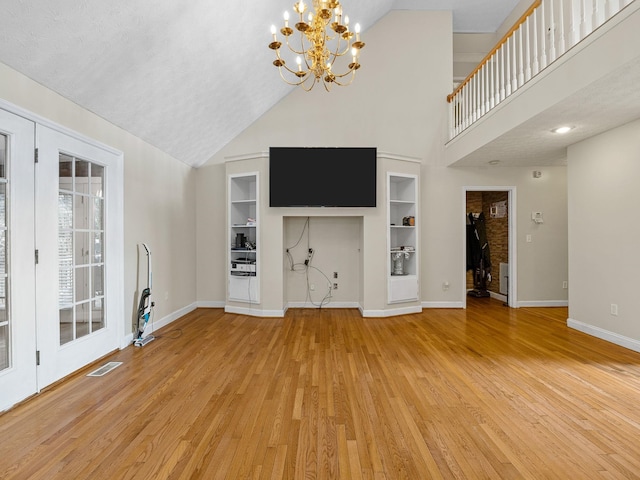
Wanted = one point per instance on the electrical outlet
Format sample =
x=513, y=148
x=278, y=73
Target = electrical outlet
x=528, y=238
x=335, y=274
x=335, y=286
x=614, y=309
x=312, y=287
x=565, y=284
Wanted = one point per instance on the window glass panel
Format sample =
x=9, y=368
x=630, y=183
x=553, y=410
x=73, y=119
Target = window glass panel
x=65, y=280
x=3, y=156
x=83, y=288
x=97, y=314
x=3, y=254
x=98, y=206
x=82, y=177
x=3, y=203
x=98, y=280
x=65, y=249
x=83, y=320
x=4, y=303
x=65, y=172
x=81, y=212
x=66, y=325
x=97, y=248
x=65, y=211
x=82, y=248
x=97, y=180
x=4, y=347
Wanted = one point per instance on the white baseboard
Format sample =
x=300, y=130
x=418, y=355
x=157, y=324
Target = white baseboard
x=210, y=304
x=442, y=304
x=603, y=334
x=498, y=296
x=544, y=303
x=391, y=312
x=327, y=305
x=158, y=324
x=254, y=312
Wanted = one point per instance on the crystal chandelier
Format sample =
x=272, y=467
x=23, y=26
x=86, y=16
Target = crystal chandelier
x=324, y=38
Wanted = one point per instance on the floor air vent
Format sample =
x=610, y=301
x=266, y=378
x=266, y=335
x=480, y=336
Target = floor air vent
x=103, y=370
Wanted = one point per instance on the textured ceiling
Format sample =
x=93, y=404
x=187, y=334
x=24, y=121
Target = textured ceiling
x=168, y=71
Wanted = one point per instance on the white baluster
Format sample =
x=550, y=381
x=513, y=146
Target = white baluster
x=494, y=82
x=465, y=106
x=496, y=57
x=474, y=98
x=514, y=65
x=584, y=29
x=520, y=58
x=502, y=86
x=527, y=50
x=560, y=30
x=552, y=33
x=481, y=87
x=606, y=10
x=543, y=36
x=573, y=31
x=487, y=88
x=535, y=66
x=595, y=15
x=451, y=121
x=507, y=62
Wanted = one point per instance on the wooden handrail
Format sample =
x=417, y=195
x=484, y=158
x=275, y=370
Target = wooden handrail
x=506, y=36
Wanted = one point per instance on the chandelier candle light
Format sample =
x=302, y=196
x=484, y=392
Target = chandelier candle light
x=324, y=38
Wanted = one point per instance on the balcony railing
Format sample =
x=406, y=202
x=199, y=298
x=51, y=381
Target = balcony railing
x=543, y=34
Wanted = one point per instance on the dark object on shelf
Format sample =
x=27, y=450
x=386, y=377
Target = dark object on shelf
x=478, y=258
x=240, y=240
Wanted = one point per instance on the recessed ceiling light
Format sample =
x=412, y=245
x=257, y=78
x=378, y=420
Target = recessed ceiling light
x=562, y=129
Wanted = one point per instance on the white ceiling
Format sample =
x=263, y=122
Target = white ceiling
x=168, y=71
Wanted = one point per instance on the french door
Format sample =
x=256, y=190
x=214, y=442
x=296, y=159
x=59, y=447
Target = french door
x=17, y=265
x=61, y=301
x=79, y=241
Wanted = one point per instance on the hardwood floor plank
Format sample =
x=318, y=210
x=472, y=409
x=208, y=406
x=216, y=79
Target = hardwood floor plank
x=486, y=392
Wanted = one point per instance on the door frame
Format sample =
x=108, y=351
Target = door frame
x=512, y=295
x=116, y=265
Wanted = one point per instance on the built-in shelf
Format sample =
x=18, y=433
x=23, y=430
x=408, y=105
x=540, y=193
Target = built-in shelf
x=402, y=238
x=243, y=233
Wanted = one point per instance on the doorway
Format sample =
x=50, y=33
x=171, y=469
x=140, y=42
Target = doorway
x=497, y=207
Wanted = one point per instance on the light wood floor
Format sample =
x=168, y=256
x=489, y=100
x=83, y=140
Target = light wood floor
x=489, y=392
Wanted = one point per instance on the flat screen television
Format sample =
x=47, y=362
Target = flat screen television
x=322, y=177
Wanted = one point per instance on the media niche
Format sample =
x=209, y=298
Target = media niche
x=322, y=176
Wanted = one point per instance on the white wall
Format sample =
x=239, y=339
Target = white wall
x=159, y=200
x=604, y=265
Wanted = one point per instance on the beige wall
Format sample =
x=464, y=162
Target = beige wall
x=603, y=175
x=159, y=199
x=410, y=121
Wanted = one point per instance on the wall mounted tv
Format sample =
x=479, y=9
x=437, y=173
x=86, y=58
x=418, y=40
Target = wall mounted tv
x=322, y=177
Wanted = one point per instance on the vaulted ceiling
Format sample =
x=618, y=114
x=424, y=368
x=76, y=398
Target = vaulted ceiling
x=187, y=77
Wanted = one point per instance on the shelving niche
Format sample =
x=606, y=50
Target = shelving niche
x=402, y=238
x=243, y=234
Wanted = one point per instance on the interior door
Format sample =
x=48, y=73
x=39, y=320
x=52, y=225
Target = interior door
x=17, y=260
x=78, y=237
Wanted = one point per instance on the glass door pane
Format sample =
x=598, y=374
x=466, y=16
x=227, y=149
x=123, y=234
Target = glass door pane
x=80, y=247
x=4, y=277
